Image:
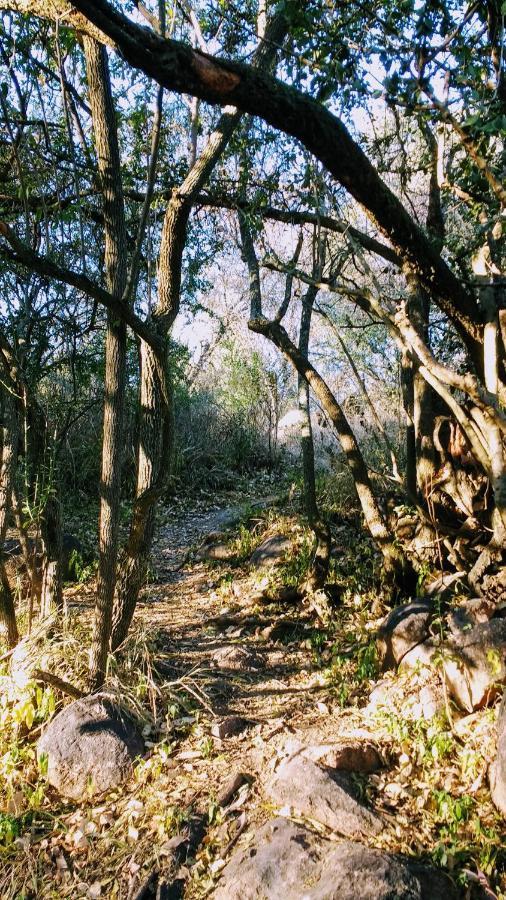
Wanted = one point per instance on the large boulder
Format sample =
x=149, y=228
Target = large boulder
x=271, y=552
x=314, y=792
x=420, y=657
x=287, y=861
x=497, y=770
x=470, y=613
x=90, y=747
x=404, y=628
x=475, y=664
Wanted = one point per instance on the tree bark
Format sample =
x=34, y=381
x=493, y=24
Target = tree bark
x=51, y=597
x=115, y=260
x=7, y=473
x=408, y=402
x=186, y=70
x=320, y=528
x=156, y=413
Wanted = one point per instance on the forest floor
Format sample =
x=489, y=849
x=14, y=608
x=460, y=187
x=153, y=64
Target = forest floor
x=208, y=645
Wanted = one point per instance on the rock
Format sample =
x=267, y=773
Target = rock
x=346, y=756
x=236, y=659
x=497, y=770
x=288, y=861
x=475, y=664
x=413, y=700
x=470, y=613
x=404, y=628
x=219, y=551
x=90, y=747
x=315, y=793
x=234, y=783
x=229, y=726
x=420, y=657
x=271, y=552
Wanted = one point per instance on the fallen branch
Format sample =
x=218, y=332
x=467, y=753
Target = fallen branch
x=59, y=683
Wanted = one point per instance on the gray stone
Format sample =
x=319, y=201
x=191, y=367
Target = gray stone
x=228, y=727
x=470, y=613
x=420, y=657
x=288, y=862
x=316, y=793
x=497, y=770
x=90, y=747
x=236, y=658
x=219, y=551
x=271, y=552
x=348, y=755
x=475, y=664
x=404, y=628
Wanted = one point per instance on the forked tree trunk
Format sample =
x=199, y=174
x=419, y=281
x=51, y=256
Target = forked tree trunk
x=108, y=161
x=156, y=411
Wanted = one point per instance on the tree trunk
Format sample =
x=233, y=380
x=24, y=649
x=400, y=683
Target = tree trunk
x=7, y=472
x=156, y=396
x=108, y=161
x=320, y=528
x=397, y=567
x=408, y=402
x=51, y=532
x=154, y=455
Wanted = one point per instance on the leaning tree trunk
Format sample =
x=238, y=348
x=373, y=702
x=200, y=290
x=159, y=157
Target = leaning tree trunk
x=396, y=566
x=108, y=161
x=7, y=473
x=320, y=528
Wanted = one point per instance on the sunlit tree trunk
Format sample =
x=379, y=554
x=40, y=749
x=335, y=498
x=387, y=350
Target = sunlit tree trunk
x=51, y=597
x=115, y=260
x=7, y=472
x=396, y=565
x=156, y=410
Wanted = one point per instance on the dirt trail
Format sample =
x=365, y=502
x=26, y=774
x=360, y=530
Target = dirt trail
x=197, y=619
x=273, y=680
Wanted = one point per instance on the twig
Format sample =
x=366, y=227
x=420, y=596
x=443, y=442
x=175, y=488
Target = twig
x=55, y=681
